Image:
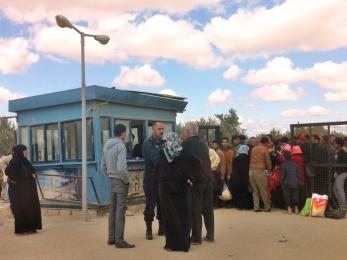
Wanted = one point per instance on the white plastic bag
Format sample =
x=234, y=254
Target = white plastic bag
x=226, y=194
x=318, y=205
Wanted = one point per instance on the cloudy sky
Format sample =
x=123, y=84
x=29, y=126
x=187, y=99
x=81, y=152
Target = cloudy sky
x=275, y=62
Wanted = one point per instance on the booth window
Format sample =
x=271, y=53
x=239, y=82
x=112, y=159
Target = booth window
x=135, y=139
x=168, y=127
x=105, y=130
x=44, y=143
x=72, y=134
x=52, y=142
x=24, y=135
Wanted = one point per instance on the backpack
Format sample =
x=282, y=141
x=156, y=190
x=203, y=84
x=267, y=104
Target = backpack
x=335, y=213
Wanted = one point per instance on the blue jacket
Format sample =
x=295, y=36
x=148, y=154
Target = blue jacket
x=152, y=149
x=290, y=174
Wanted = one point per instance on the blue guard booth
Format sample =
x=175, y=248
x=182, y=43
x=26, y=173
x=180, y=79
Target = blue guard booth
x=50, y=125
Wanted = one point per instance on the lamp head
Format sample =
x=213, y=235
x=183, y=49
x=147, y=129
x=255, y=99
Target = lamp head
x=103, y=39
x=63, y=22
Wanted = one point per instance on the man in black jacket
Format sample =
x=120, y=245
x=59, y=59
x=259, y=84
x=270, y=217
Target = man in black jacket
x=202, y=189
x=151, y=151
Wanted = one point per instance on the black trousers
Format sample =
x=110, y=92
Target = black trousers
x=217, y=189
x=202, y=195
x=291, y=196
x=151, y=189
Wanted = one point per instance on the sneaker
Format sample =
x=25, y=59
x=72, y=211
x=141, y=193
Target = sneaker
x=124, y=244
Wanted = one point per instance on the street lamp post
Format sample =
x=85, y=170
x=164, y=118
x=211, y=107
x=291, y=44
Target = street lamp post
x=63, y=22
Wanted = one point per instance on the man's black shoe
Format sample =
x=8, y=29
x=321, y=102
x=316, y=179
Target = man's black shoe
x=207, y=239
x=124, y=244
x=110, y=243
x=257, y=210
x=267, y=210
x=196, y=243
x=149, y=235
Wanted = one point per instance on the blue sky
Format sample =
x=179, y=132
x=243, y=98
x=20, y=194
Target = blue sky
x=288, y=60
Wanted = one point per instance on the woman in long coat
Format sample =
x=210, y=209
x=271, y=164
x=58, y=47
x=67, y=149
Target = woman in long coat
x=240, y=179
x=175, y=195
x=23, y=195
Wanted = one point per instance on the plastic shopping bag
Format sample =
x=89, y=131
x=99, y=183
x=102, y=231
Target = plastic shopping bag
x=226, y=194
x=306, y=209
x=318, y=205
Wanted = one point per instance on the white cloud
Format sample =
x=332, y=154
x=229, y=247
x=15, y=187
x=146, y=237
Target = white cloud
x=281, y=70
x=260, y=126
x=157, y=37
x=168, y=91
x=144, y=76
x=278, y=93
x=232, y=72
x=277, y=71
x=6, y=94
x=250, y=106
x=336, y=96
x=293, y=113
x=219, y=96
x=15, y=55
x=38, y=10
x=55, y=42
x=312, y=111
x=298, y=25
x=318, y=111
x=329, y=75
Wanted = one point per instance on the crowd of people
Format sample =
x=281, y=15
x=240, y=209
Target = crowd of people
x=276, y=172
x=184, y=179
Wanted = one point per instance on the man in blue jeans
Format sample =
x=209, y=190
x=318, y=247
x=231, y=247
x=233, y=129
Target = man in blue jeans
x=114, y=165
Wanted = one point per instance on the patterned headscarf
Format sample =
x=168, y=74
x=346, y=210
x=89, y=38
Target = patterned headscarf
x=173, y=147
x=243, y=149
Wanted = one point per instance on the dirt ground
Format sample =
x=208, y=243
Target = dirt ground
x=239, y=235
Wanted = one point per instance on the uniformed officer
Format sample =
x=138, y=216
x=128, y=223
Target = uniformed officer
x=151, y=151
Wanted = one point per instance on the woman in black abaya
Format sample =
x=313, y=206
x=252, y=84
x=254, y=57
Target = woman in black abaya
x=175, y=195
x=240, y=179
x=23, y=195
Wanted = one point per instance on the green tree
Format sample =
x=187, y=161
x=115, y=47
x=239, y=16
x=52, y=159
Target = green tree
x=276, y=134
x=208, y=121
x=179, y=129
x=7, y=136
x=230, y=124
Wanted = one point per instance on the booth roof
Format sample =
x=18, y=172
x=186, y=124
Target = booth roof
x=98, y=93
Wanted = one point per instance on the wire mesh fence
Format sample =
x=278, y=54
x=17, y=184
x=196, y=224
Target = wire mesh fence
x=318, y=143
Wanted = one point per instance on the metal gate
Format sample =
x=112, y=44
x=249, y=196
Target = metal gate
x=209, y=133
x=319, y=157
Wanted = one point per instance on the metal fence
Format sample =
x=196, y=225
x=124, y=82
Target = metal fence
x=320, y=157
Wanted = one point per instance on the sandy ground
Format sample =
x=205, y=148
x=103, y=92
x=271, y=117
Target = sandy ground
x=239, y=235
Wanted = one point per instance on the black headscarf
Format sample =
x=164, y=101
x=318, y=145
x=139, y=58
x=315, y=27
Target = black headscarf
x=17, y=154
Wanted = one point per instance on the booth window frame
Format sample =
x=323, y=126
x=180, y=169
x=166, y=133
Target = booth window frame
x=29, y=142
x=63, y=141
